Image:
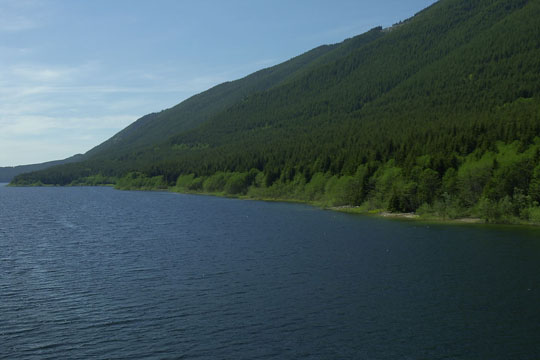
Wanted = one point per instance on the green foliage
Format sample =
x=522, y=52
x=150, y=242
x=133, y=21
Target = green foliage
x=237, y=183
x=534, y=214
x=534, y=185
x=216, y=182
x=138, y=181
x=473, y=175
x=339, y=191
x=429, y=184
x=315, y=189
x=94, y=180
x=184, y=182
x=450, y=182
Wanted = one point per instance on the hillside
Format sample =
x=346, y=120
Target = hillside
x=196, y=110
x=437, y=115
x=7, y=173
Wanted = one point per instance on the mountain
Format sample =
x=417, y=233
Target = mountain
x=437, y=114
x=196, y=110
x=7, y=173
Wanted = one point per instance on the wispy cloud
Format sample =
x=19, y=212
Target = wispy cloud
x=15, y=51
x=88, y=101
x=47, y=101
x=34, y=138
x=33, y=73
x=41, y=74
x=26, y=150
x=27, y=125
x=49, y=112
x=20, y=15
x=24, y=80
x=17, y=23
x=40, y=124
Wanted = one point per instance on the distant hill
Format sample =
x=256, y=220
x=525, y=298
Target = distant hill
x=9, y=172
x=438, y=113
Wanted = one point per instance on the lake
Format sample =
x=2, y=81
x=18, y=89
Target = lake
x=89, y=272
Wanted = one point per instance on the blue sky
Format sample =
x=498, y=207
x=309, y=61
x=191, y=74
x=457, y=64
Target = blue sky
x=75, y=72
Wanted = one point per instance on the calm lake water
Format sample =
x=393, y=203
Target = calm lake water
x=98, y=273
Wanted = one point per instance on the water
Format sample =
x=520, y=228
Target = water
x=104, y=274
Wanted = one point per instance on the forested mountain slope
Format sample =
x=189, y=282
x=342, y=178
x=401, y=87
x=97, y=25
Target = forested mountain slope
x=440, y=113
x=7, y=173
x=189, y=114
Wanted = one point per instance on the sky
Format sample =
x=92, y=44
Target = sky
x=75, y=72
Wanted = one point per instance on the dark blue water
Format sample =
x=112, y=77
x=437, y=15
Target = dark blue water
x=105, y=274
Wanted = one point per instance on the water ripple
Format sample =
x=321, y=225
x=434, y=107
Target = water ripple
x=97, y=273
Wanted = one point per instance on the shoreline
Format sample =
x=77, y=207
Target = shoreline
x=349, y=209
x=358, y=210
x=410, y=216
